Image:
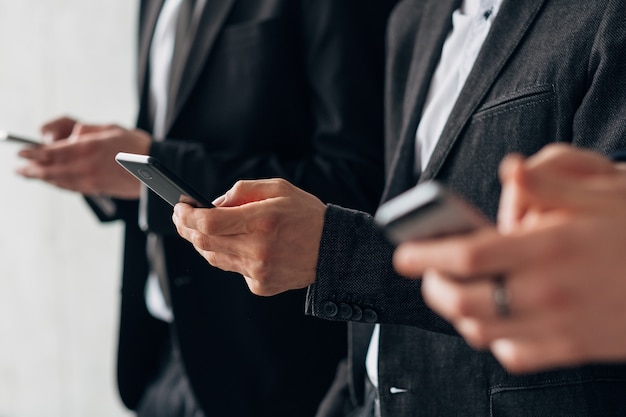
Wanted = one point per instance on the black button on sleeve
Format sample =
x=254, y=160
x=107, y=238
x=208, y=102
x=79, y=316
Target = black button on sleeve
x=345, y=311
x=370, y=316
x=330, y=309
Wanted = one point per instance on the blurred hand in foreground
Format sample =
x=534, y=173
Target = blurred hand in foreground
x=81, y=158
x=560, y=246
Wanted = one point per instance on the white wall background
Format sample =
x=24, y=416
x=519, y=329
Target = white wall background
x=59, y=267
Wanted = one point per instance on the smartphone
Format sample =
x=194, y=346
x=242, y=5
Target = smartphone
x=428, y=210
x=161, y=180
x=8, y=137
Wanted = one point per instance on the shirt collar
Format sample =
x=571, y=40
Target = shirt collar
x=479, y=7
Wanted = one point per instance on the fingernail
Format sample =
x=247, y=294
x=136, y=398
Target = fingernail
x=219, y=200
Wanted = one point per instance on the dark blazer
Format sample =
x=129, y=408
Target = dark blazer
x=549, y=71
x=273, y=88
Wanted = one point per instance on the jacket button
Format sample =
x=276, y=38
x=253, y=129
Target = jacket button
x=357, y=313
x=370, y=316
x=330, y=309
x=345, y=311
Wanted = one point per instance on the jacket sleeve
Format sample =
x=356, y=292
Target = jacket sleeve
x=356, y=280
x=600, y=119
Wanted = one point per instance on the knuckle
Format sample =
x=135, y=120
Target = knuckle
x=239, y=186
x=211, y=258
x=253, y=286
x=552, y=295
x=206, y=225
x=179, y=227
x=218, y=260
x=261, y=270
x=261, y=256
x=459, y=306
x=280, y=184
x=555, y=148
x=259, y=288
x=199, y=240
x=518, y=358
x=477, y=335
x=515, y=361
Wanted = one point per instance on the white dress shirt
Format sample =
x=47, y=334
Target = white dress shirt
x=470, y=25
x=171, y=41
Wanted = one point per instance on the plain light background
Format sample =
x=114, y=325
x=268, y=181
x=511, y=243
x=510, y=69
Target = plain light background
x=59, y=267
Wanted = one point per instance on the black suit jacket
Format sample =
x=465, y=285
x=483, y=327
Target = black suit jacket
x=549, y=71
x=273, y=88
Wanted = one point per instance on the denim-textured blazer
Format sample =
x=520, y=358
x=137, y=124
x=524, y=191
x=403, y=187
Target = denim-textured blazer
x=549, y=71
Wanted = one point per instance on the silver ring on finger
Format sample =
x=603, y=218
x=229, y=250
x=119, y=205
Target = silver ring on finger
x=501, y=297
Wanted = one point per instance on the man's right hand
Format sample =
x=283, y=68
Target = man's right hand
x=269, y=231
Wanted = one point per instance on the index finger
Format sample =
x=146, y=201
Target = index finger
x=484, y=252
x=568, y=161
x=217, y=221
x=61, y=151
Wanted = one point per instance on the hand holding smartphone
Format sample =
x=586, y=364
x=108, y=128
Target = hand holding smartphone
x=161, y=180
x=428, y=210
x=8, y=137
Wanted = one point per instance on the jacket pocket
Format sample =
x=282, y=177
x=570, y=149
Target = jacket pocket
x=591, y=397
x=517, y=100
x=522, y=121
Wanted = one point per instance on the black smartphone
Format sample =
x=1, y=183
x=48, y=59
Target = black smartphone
x=428, y=210
x=9, y=137
x=161, y=180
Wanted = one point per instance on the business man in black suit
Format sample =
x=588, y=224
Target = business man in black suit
x=548, y=71
x=274, y=88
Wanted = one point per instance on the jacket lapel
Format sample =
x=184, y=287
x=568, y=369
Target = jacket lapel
x=149, y=19
x=509, y=27
x=211, y=21
x=434, y=23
